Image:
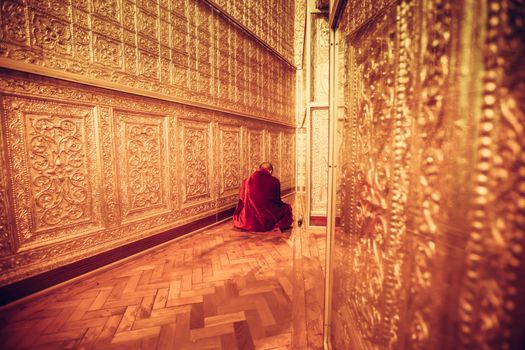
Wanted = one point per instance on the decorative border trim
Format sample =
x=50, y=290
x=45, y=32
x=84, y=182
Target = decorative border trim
x=119, y=87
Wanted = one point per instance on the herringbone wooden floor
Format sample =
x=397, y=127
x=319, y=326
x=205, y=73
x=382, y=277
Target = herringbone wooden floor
x=217, y=289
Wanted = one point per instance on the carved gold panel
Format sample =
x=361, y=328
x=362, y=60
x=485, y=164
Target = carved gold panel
x=6, y=240
x=429, y=246
x=319, y=162
x=264, y=19
x=288, y=160
x=52, y=152
x=299, y=28
x=319, y=61
x=273, y=142
x=143, y=164
x=168, y=51
x=197, y=159
x=256, y=153
x=230, y=159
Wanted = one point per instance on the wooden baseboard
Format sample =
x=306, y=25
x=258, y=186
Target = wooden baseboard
x=61, y=274
x=287, y=192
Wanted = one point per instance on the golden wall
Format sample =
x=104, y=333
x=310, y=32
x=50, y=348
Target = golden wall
x=318, y=114
x=264, y=18
x=429, y=252
x=177, y=104
x=178, y=50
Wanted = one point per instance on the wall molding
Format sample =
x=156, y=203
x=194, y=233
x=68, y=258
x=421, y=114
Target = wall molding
x=75, y=78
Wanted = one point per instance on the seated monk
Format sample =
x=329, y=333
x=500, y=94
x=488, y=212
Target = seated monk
x=260, y=207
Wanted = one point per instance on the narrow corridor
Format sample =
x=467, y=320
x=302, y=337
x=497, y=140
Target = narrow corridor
x=217, y=289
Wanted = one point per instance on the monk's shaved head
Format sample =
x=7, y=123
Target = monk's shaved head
x=268, y=166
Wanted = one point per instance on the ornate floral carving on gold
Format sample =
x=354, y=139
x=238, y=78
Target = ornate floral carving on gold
x=274, y=152
x=112, y=158
x=319, y=162
x=52, y=153
x=288, y=163
x=431, y=188
x=368, y=256
x=195, y=138
x=255, y=150
x=230, y=155
x=491, y=293
x=143, y=166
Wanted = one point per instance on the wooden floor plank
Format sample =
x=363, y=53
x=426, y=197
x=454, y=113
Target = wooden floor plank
x=220, y=289
x=167, y=336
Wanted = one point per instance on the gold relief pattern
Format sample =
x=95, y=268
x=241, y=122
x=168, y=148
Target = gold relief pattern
x=363, y=10
x=142, y=171
x=14, y=22
x=255, y=150
x=52, y=154
x=129, y=19
x=149, y=5
x=130, y=54
x=83, y=45
x=58, y=170
x=430, y=183
x=107, y=8
x=264, y=19
x=288, y=161
x=196, y=160
x=81, y=18
x=401, y=155
x=299, y=25
x=274, y=152
x=110, y=228
x=5, y=239
x=490, y=300
x=148, y=25
x=81, y=4
x=133, y=43
x=109, y=174
x=149, y=65
x=368, y=258
x=301, y=139
x=51, y=34
x=320, y=66
x=431, y=176
x=373, y=119
x=230, y=151
x=319, y=162
x=107, y=52
x=53, y=7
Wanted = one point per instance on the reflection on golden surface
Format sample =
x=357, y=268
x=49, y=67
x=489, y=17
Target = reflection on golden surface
x=85, y=170
x=429, y=253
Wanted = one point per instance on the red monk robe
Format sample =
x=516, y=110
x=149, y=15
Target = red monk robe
x=260, y=207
